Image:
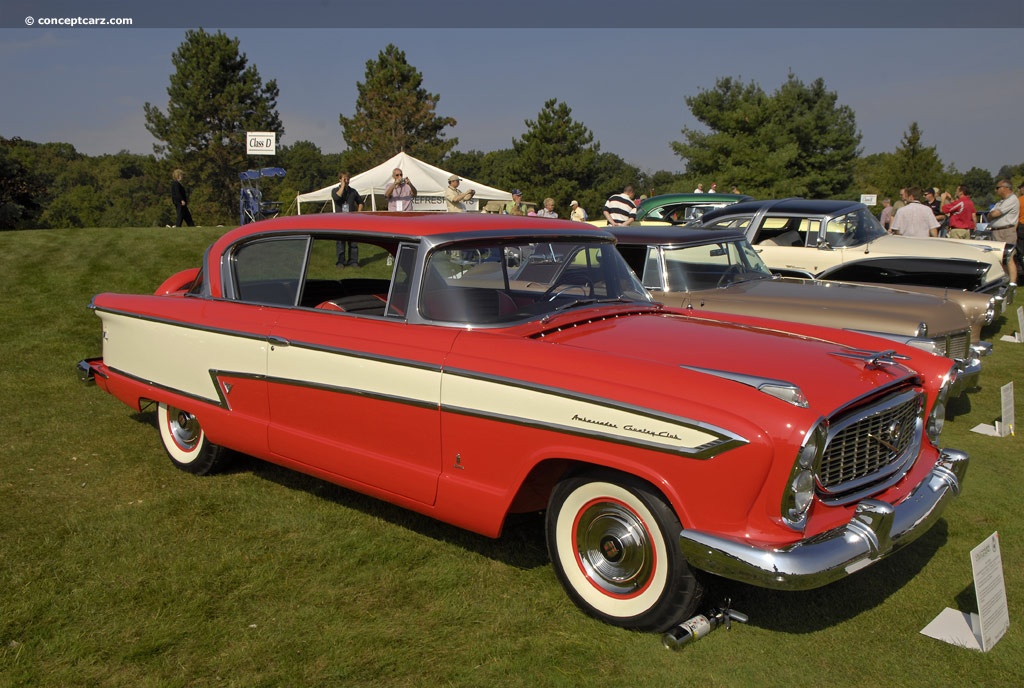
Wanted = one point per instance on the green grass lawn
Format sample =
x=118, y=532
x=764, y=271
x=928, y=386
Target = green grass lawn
x=116, y=569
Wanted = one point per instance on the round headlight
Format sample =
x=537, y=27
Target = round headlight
x=799, y=493
x=937, y=418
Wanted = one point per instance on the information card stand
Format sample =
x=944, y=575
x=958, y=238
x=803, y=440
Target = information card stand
x=1018, y=336
x=983, y=630
x=1003, y=426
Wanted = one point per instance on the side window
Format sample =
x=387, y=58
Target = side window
x=729, y=222
x=347, y=276
x=634, y=256
x=842, y=231
x=401, y=282
x=270, y=271
x=652, y=269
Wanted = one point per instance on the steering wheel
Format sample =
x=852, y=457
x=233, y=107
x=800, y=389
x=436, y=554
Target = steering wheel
x=729, y=273
x=559, y=288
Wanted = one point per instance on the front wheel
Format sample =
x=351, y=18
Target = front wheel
x=186, y=443
x=613, y=541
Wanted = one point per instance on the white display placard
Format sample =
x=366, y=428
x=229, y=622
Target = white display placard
x=869, y=199
x=1018, y=336
x=983, y=630
x=260, y=142
x=1003, y=426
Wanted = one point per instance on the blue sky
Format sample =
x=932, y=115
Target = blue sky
x=87, y=86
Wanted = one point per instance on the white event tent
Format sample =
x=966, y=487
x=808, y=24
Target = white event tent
x=430, y=183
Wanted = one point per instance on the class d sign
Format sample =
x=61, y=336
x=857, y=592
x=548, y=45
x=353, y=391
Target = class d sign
x=260, y=142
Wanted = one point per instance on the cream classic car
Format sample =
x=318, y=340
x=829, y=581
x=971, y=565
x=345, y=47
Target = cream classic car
x=842, y=240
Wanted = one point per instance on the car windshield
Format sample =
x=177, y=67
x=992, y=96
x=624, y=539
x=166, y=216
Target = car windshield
x=684, y=213
x=853, y=229
x=505, y=282
x=710, y=266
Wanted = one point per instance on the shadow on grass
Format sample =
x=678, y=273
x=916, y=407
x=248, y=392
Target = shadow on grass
x=521, y=543
x=960, y=406
x=807, y=611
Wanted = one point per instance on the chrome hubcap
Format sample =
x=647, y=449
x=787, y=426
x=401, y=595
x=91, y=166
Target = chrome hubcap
x=614, y=548
x=184, y=428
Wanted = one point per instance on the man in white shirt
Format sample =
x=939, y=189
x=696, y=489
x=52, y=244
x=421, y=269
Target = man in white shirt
x=914, y=219
x=400, y=191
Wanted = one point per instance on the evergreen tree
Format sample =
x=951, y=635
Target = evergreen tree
x=795, y=142
x=555, y=158
x=215, y=97
x=915, y=164
x=394, y=113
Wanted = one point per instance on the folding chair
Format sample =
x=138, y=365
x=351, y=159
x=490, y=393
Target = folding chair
x=251, y=206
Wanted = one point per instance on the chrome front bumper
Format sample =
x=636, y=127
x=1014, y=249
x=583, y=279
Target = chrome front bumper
x=1005, y=296
x=876, y=530
x=968, y=374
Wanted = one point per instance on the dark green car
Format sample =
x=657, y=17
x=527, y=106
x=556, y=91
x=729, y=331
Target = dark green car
x=683, y=208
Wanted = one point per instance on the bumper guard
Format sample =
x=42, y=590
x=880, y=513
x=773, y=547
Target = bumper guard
x=876, y=530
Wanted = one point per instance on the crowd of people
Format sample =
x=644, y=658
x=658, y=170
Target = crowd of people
x=927, y=212
x=933, y=213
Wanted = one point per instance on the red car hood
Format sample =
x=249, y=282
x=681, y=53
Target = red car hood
x=753, y=348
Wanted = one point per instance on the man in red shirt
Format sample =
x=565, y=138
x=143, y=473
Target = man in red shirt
x=960, y=213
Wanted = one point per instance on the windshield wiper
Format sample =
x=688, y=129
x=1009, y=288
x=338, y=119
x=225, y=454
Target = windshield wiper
x=592, y=300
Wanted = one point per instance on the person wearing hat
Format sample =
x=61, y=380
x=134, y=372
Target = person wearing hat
x=576, y=212
x=516, y=207
x=453, y=196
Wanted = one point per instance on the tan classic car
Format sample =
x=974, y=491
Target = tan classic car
x=722, y=272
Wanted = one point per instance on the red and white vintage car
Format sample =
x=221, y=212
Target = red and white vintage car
x=504, y=365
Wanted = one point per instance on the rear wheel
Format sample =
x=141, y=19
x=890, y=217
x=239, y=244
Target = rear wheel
x=186, y=443
x=613, y=541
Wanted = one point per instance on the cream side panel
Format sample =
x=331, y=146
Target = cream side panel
x=297, y=364
x=572, y=414
x=178, y=357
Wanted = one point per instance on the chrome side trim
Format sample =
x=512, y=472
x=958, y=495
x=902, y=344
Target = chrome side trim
x=876, y=530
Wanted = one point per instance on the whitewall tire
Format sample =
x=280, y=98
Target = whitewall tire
x=185, y=442
x=614, y=544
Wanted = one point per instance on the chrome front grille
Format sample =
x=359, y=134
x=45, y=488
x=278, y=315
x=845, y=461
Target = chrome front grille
x=955, y=345
x=871, y=447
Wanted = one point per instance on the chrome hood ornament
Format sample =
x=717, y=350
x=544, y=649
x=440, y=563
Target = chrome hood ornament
x=873, y=359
